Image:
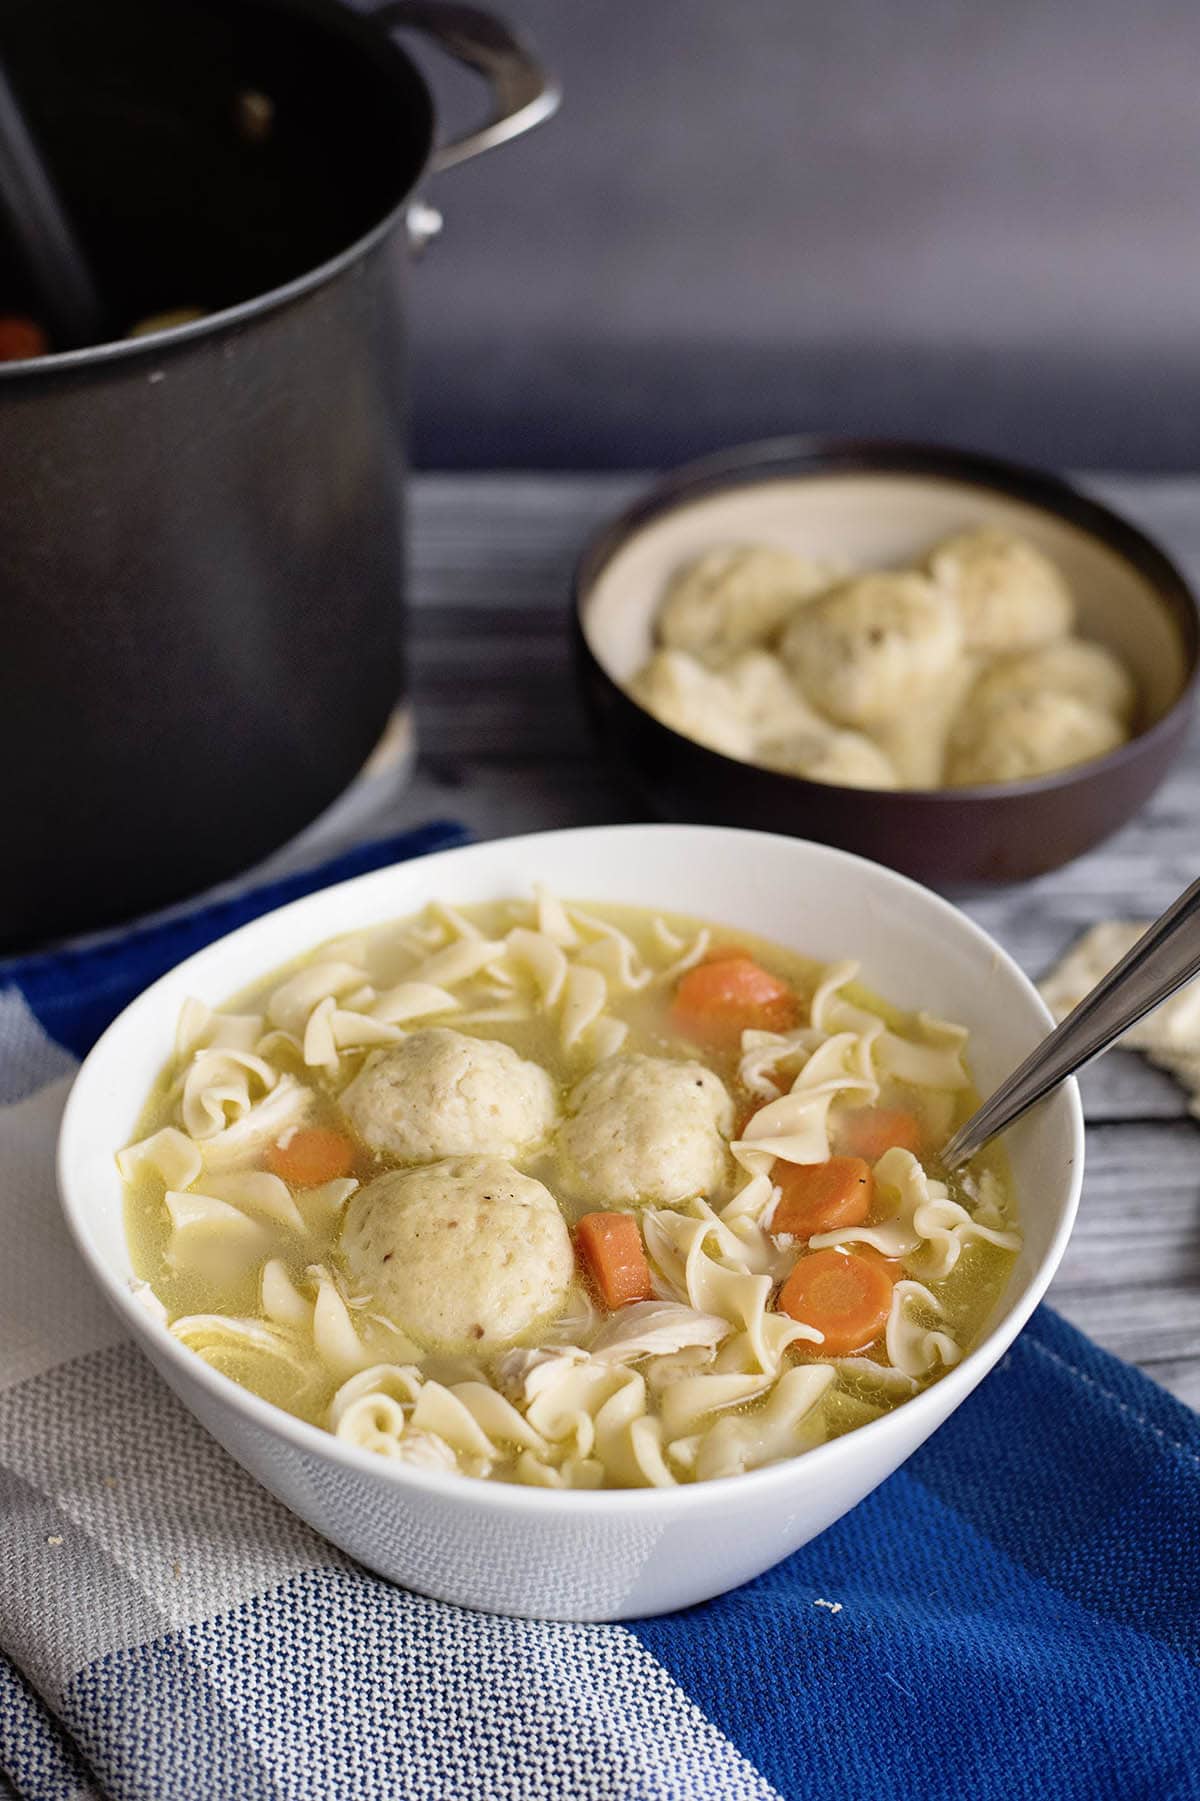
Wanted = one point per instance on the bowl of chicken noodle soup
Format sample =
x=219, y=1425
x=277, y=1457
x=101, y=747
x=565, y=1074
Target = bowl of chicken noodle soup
x=530, y=1216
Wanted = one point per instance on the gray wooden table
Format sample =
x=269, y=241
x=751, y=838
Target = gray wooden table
x=503, y=747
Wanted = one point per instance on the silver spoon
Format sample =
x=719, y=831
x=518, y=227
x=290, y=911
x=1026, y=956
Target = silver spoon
x=1165, y=957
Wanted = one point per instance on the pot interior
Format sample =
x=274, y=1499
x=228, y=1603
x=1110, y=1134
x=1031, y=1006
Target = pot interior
x=209, y=151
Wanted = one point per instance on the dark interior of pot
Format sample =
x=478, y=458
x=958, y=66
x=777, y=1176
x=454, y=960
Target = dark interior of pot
x=208, y=151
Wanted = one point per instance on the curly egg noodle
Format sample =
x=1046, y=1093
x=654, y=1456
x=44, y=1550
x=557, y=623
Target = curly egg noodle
x=962, y=672
x=488, y=1078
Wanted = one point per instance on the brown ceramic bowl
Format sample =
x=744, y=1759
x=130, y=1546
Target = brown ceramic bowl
x=873, y=504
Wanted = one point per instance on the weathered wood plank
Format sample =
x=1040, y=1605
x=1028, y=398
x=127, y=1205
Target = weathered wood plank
x=1123, y=1086
x=1139, y=1218
x=1146, y=1327
x=501, y=800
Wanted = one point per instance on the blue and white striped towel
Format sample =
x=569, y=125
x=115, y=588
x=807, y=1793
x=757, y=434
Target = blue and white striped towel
x=1015, y=1614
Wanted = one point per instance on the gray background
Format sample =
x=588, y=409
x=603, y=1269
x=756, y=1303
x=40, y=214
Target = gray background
x=946, y=218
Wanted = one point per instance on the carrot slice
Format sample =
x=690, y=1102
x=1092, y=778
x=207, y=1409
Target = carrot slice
x=716, y=1002
x=846, y=1297
x=870, y=1131
x=892, y=1267
x=610, y=1246
x=311, y=1156
x=820, y=1197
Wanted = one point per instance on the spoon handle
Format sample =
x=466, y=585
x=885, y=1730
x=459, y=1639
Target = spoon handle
x=1165, y=957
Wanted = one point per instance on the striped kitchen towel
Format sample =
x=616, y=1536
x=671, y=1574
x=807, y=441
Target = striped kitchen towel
x=1015, y=1614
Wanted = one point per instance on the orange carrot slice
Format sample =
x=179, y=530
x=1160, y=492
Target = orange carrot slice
x=892, y=1267
x=716, y=1002
x=845, y=1297
x=821, y=1197
x=610, y=1246
x=311, y=1156
x=870, y=1131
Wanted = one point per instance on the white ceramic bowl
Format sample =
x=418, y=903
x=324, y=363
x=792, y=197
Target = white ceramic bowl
x=610, y=1554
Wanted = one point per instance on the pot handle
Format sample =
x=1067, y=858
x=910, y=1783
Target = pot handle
x=523, y=92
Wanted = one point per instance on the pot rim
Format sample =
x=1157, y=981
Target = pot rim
x=814, y=456
x=363, y=30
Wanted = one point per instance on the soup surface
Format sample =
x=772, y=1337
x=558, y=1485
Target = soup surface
x=567, y=1195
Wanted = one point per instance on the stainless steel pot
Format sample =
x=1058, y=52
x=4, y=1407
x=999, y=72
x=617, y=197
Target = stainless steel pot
x=201, y=543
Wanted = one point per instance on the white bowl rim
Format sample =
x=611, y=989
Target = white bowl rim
x=503, y=1496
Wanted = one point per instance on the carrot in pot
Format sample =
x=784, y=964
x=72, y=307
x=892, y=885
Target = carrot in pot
x=821, y=1197
x=716, y=1002
x=313, y=1155
x=21, y=338
x=847, y=1298
x=610, y=1247
x=870, y=1131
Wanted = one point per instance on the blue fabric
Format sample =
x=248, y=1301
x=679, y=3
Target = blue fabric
x=1015, y=1614
x=1018, y=1619
x=1019, y=1606
x=76, y=993
x=38, y=1761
